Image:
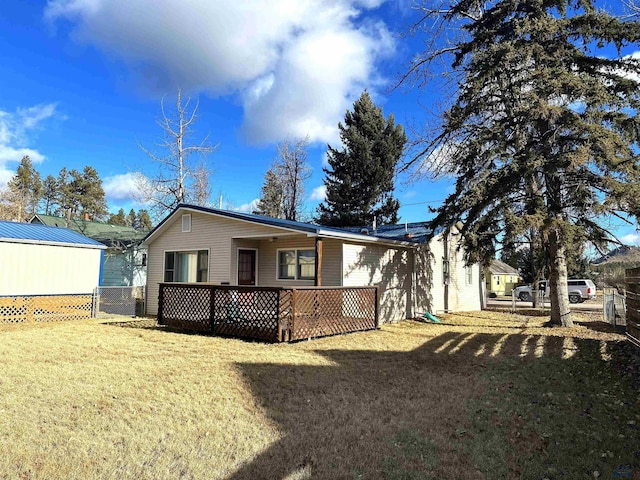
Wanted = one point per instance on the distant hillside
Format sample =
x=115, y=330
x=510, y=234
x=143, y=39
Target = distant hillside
x=621, y=255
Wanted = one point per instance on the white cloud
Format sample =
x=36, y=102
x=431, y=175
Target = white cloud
x=15, y=129
x=124, y=186
x=296, y=65
x=318, y=194
x=631, y=239
x=247, y=207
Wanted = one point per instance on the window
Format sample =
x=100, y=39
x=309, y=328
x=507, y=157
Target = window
x=186, y=266
x=497, y=277
x=186, y=223
x=296, y=264
x=468, y=274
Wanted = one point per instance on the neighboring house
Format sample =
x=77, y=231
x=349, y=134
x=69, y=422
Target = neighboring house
x=501, y=278
x=197, y=244
x=125, y=258
x=41, y=260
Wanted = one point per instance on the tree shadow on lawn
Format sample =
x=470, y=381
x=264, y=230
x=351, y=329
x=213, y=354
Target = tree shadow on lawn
x=460, y=406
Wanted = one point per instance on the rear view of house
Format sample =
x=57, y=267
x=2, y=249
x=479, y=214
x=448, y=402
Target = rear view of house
x=202, y=245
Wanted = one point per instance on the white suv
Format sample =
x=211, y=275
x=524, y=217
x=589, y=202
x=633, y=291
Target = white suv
x=579, y=290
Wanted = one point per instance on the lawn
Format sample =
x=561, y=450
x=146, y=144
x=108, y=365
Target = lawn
x=483, y=395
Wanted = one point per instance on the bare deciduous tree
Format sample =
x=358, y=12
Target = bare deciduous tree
x=178, y=179
x=292, y=169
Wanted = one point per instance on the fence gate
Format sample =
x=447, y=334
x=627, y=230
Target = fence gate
x=110, y=301
x=614, y=307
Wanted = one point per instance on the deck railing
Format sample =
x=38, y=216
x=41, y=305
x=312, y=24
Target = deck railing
x=275, y=314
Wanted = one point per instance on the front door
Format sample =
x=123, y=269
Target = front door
x=246, y=267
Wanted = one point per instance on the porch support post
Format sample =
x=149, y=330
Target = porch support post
x=318, y=276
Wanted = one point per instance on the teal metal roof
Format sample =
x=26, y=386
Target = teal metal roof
x=41, y=234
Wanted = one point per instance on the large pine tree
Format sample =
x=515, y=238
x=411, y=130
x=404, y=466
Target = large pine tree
x=360, y=177
x=25, y=190
x=543, y=126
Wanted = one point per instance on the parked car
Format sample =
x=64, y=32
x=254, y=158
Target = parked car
x=579, y=290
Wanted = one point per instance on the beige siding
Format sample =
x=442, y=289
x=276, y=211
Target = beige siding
x=210, y=232
x=388, y=268
x=331, y=260
x=217, y=235
x=30, y=269
x=430, y=289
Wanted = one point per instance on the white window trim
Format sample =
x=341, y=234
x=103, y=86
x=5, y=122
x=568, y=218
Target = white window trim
x=295, y=278
x=256, y=263
x=468, y=272
x=187, y=250
x=183, y=218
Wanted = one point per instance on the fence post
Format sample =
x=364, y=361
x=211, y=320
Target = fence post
x=292, y=327
x=212, y=308
x=160, y=304
x=279, y=314
x=376, y=311
x=94, y=303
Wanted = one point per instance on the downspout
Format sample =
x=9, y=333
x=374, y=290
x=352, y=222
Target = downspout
x=414, y=279
x=446, y=272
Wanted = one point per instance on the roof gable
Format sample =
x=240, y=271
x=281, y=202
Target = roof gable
x=393, y=235
x=498, y=267
x=15, y=232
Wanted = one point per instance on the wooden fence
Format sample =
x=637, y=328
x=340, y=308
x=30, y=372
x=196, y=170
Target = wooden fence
x=276, y=314
x=45, y=308
x=632, y=284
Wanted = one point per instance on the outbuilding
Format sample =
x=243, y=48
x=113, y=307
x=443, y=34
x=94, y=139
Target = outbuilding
x=43, y=260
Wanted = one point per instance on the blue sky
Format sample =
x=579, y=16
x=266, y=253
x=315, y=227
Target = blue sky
x=81, y=84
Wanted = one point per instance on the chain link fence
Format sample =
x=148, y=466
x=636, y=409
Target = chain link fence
x=124, y=301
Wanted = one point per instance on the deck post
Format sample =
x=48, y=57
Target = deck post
x=376, y=303
x=212, y=308
x=292, y=327
x=318, y=276
x=160, y=304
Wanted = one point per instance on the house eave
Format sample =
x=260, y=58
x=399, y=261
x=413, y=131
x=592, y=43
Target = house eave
x=50, y=243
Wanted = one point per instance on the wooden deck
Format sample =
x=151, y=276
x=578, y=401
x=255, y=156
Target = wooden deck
x=277, y=314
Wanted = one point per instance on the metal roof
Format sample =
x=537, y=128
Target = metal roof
x=102, y=232
x=15, y=232
x=408, y=234
x=498, y=267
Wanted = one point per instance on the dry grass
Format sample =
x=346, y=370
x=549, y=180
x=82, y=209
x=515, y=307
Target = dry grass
x=484, y=395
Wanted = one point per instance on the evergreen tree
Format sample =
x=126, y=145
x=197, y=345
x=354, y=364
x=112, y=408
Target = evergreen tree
x=25, y=190
x=360, y=177
x=270, y=203
x=143, y=221
x=80, y=194
x=118, y=218
x=49, y=194
x=131, y=218
x=542, y=117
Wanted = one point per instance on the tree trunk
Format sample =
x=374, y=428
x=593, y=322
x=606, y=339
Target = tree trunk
x=560, y=310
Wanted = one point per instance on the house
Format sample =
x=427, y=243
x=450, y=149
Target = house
x=501, y=278
x=42, y=260
x=197, y=244
x=125, y=258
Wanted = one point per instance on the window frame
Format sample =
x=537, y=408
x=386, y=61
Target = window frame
x=186, y=216
x=468, y=274
x=297, y=276
x=198, y=252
